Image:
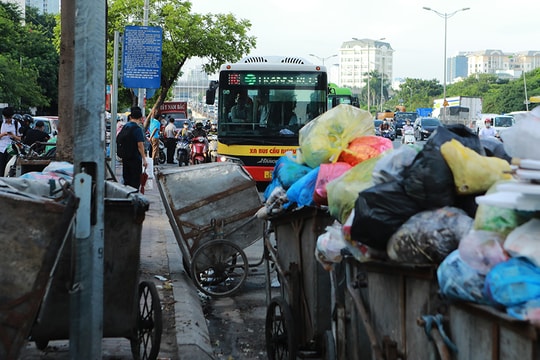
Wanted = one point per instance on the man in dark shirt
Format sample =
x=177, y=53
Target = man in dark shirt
x=35, y=136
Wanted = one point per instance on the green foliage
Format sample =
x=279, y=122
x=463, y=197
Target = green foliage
x=28, y=61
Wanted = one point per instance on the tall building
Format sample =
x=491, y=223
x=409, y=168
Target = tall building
x=504, y=64
x=456, y=67
x=359, y=57
x=45, y=6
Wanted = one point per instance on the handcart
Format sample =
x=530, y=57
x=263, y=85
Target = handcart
x=211, y=208
x=131, y=309
x=390, y=311
x=299, y=319
x=34, y=224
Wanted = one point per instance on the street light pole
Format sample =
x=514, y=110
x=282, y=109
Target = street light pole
x=323, y=59
x=445, y=16
x=382, y=77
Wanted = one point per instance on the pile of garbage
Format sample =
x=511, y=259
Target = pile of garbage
x=418, y=204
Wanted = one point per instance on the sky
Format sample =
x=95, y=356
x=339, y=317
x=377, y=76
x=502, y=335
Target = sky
x=303, y=27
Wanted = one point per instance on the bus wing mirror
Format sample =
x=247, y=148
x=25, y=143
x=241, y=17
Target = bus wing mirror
x=211, y=92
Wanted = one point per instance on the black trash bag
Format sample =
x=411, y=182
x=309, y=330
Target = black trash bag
x=379, y=211
x=429, y=180
x=494, y=147
x=429, y=236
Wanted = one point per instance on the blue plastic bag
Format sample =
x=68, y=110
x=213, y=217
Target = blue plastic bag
x=301, y=192
x=459, y=281
x=513, y=282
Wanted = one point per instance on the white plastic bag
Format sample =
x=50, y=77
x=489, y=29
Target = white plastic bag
x=520, y=141
x=525, y=241
x=150, y=167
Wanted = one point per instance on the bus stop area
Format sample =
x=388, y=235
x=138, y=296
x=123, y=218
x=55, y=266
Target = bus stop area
x=161, y=263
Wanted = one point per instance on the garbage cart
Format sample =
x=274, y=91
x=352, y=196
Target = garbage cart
x=387, y=309
x=211, y=208
x=298, y=320
x=33, y=228
x=131, y=309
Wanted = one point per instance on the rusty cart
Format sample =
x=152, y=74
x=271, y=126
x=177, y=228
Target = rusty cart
x=28, y=253
x=298, y=320
x=131, y=309
x=212, y=210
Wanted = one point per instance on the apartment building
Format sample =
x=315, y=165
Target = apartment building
x=359, y=57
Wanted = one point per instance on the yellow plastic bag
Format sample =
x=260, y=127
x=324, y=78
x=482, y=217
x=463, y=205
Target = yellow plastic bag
x=323, y=139
x=472, y=172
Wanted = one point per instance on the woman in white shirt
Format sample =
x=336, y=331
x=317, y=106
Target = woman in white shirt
x=8, y=132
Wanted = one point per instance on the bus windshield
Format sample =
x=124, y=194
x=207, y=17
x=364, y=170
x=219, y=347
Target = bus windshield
x=269, y=108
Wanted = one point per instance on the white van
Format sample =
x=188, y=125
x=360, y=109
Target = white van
x=499, y=122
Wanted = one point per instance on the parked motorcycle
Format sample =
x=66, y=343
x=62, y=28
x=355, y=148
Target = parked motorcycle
x=198, y=150
x=162, y=157
x=183, y=151
x=408, y=137
x=18, y=149
x=212, y=147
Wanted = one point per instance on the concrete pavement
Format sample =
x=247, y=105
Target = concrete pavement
x=159, y=252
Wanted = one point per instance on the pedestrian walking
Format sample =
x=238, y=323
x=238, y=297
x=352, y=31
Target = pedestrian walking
x=135, y=158
x=170, y=134
x=154, y=127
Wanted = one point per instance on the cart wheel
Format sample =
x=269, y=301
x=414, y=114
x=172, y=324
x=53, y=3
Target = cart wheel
x=219, y=268
x=329, y=346
x=149, y=325
x=279, y=331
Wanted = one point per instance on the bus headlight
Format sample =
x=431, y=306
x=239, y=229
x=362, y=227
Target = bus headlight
x=224, y=158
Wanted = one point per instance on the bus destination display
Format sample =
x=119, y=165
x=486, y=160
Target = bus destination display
x=273, y=78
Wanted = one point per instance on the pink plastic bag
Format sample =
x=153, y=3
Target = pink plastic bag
x=327, y=173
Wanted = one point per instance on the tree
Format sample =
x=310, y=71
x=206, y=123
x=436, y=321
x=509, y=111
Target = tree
x=22, y=63
x=218, y=38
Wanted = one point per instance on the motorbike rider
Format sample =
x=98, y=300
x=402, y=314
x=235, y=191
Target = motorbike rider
x=184, y=132
x=384, y=126
x=405, y=128
x=213, y=129
x=197, y=132
x=487, y=131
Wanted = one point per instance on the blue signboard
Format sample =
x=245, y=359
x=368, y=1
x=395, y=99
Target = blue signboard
x=141, y=60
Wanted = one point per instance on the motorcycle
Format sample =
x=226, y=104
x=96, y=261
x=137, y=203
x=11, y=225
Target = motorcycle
x=162, y=158
x=183, y=151
x=389, y=133
x=408, y=137
x=212, y=147
x=18, y=149
x=198, y=150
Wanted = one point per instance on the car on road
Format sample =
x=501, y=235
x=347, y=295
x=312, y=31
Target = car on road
x=51, y=124
x=424, y=127
x=400, y=118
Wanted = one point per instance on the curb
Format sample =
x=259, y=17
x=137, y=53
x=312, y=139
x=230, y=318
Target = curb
x=192, y=336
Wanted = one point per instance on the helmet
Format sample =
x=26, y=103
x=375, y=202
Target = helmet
x=186, y=123
x=28, y=118
x=198, y=124
x=18, y=117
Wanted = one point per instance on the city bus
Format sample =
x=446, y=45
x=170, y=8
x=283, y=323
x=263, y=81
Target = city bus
x=340, y=95
x=262, y=103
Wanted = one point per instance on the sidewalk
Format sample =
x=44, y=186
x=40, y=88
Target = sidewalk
x=192, y=335
x=159, y=253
